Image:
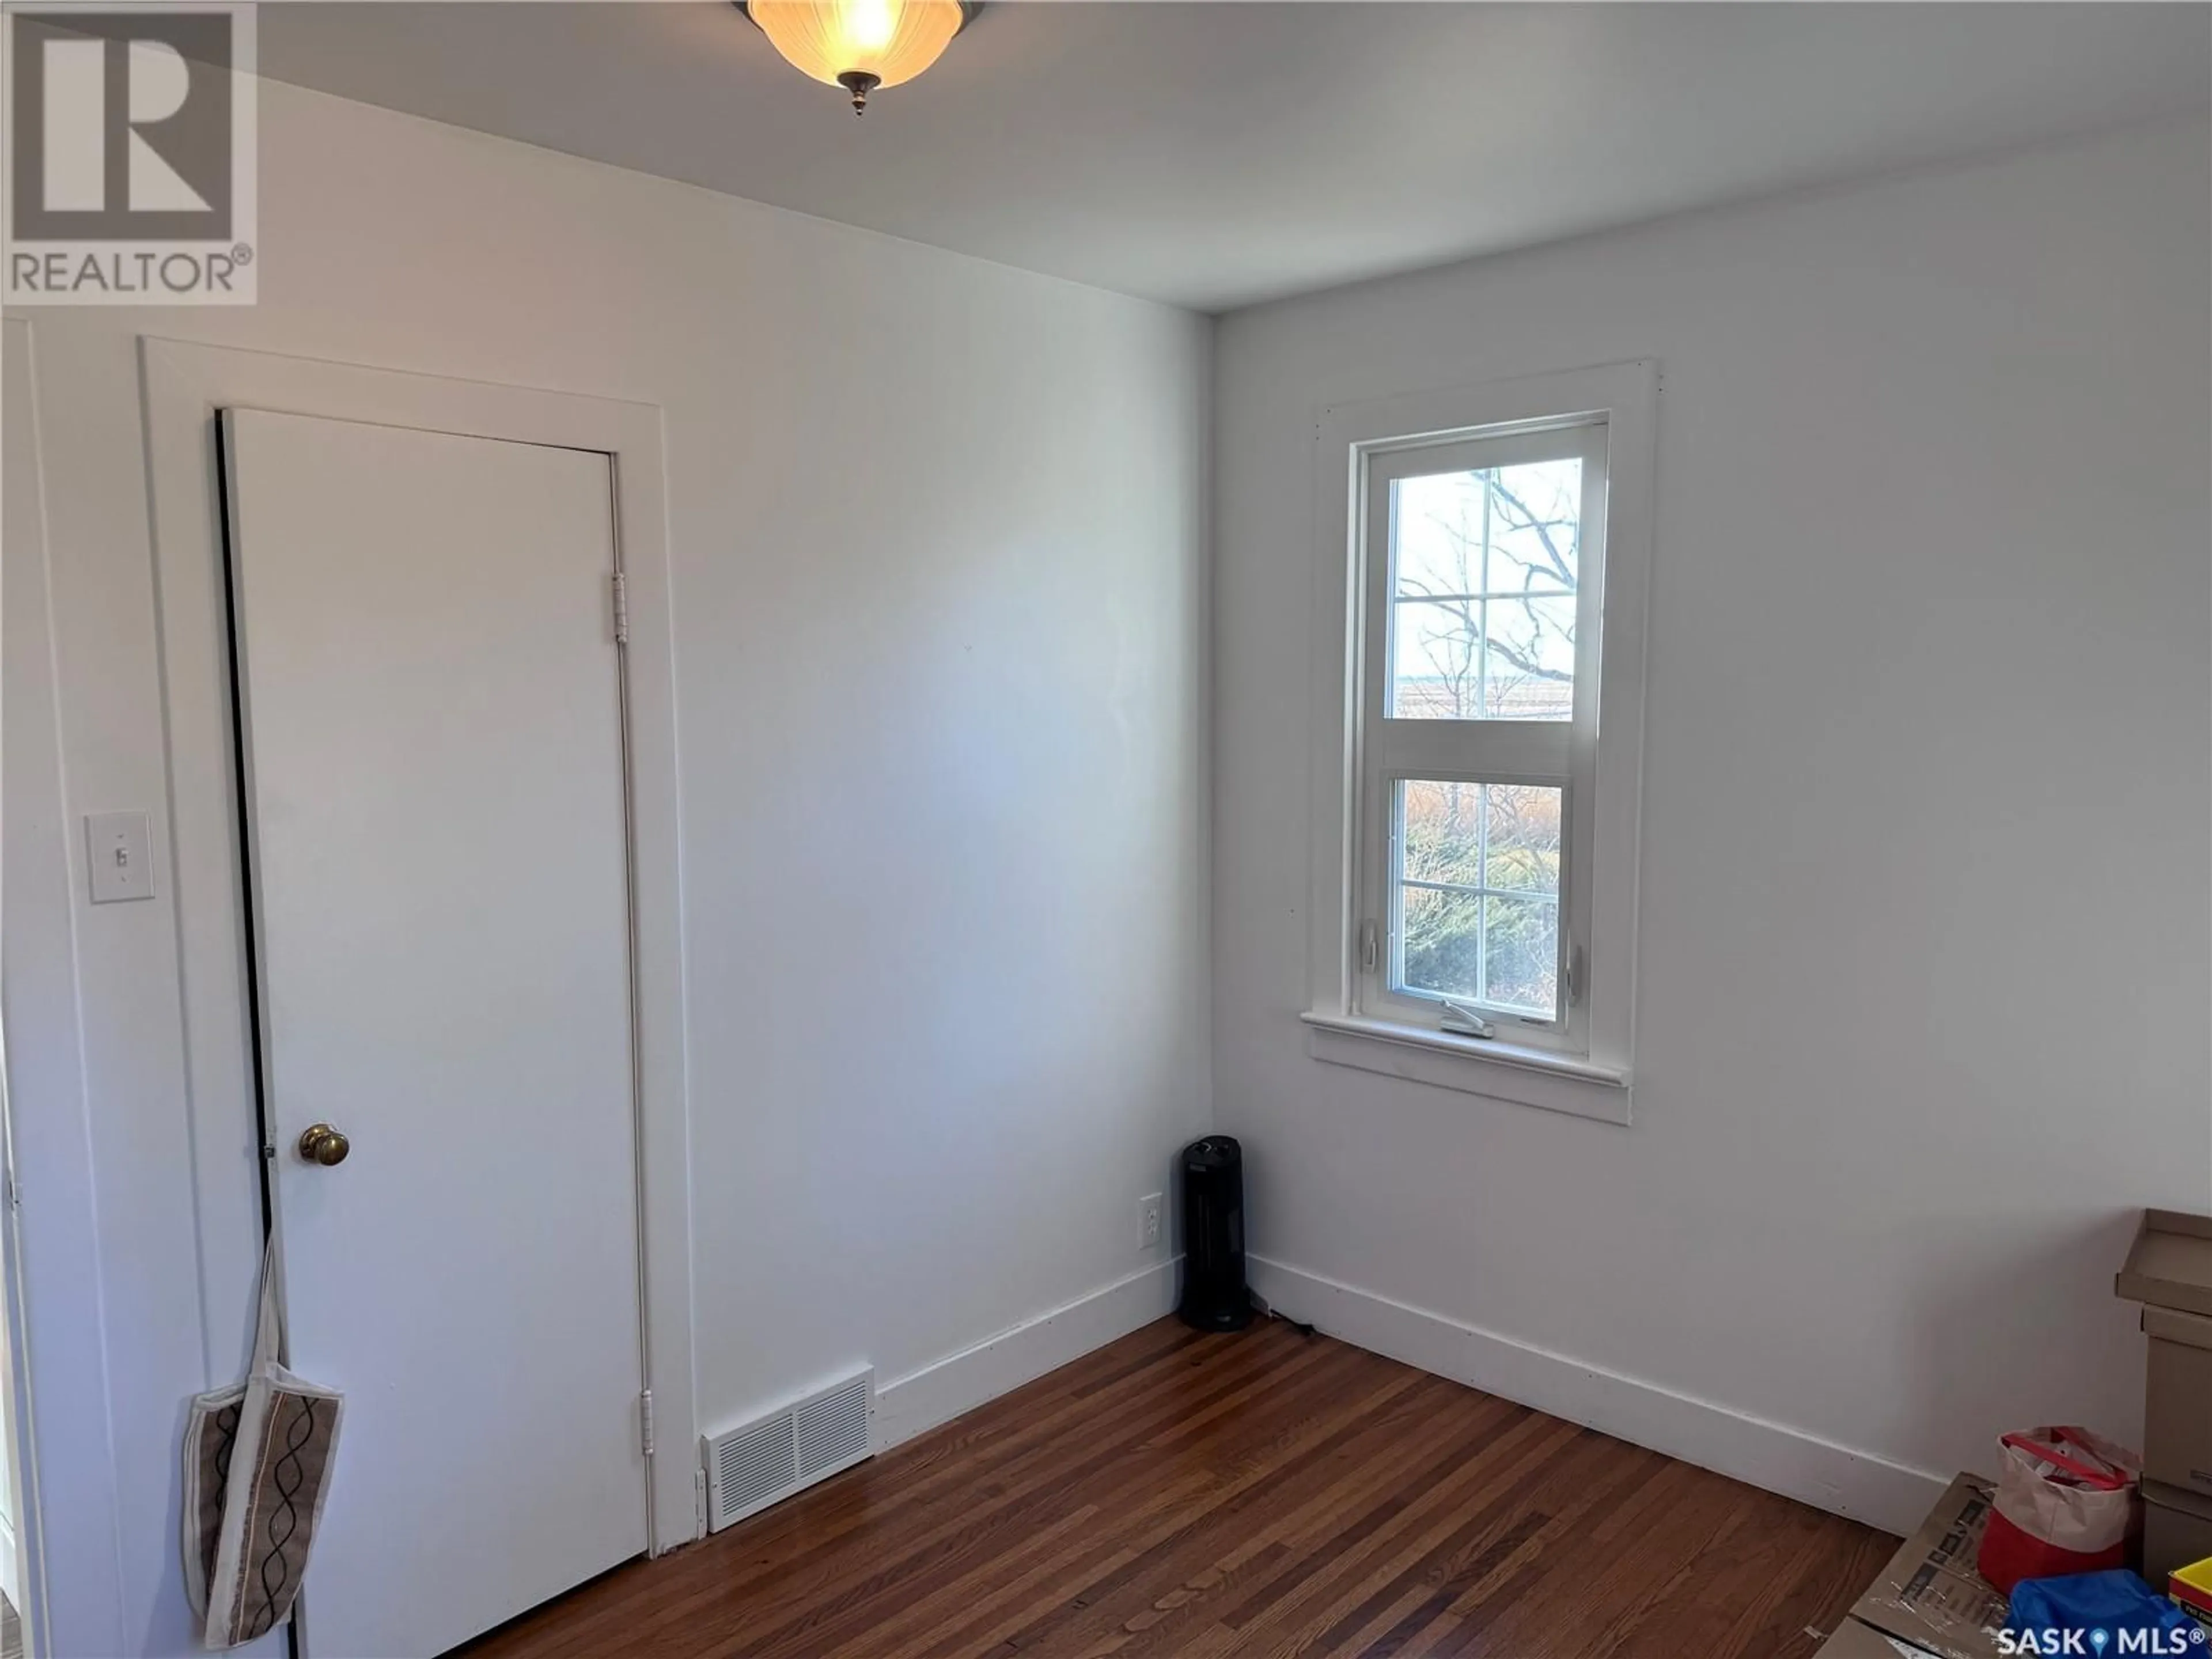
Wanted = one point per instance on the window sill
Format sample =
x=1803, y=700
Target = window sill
x=1475, y=1065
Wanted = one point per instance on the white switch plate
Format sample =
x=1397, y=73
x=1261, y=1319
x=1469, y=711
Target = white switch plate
x=120, y=845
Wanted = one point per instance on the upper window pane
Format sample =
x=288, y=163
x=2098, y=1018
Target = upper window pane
x=1483, y=567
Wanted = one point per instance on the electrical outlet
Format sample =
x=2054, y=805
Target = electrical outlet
x=1148, y=1220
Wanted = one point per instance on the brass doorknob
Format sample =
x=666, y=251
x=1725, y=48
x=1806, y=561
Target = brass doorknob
x=321, y=1144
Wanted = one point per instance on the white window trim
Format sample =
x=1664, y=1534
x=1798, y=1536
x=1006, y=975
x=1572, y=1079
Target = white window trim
x=1593, y=1076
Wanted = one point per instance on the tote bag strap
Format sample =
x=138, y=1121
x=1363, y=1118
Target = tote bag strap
x=2100, y=1474
x=268, y=1346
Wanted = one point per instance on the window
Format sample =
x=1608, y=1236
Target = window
x=1472, y=556
x=1492, y=677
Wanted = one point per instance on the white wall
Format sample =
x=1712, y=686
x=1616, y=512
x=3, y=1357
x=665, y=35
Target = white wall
x=938, y=540
x=1924, y=963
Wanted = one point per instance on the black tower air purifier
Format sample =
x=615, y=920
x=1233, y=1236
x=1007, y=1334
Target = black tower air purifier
x=1214, y=1295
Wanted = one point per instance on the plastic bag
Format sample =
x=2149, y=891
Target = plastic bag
x=2091, y=1612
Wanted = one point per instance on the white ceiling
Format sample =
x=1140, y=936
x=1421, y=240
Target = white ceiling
x=1214, y=155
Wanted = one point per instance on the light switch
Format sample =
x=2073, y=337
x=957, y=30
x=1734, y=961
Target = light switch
x=121, y=847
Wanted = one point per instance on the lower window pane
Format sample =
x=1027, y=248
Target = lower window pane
x=1441, y=833
x=1476, y=893
x=1442, y=942
x=1522, y=853
x=1520, y=953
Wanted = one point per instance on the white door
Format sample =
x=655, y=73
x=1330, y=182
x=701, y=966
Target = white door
x=431, y=713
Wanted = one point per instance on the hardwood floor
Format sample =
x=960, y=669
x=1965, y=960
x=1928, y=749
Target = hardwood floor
x=1265, y=1493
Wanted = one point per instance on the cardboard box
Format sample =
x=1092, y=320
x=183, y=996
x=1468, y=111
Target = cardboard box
x=2177, y=1530
x=1856, y=1641
x=2170, y=1264
x=2178, y=1401
x=1930, y=1596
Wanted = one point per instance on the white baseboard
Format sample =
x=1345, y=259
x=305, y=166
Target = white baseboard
x=939, y=1393
x=1766, y=1455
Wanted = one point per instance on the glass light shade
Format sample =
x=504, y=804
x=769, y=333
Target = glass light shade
x=890, y=40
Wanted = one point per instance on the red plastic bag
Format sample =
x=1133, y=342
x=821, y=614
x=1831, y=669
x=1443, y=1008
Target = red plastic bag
x=2066, y=1503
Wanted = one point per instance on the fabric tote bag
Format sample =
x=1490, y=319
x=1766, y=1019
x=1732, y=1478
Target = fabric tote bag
x=2066, y=1503
x=258, y=1458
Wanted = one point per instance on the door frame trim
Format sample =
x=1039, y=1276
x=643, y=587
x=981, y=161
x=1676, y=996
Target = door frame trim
x=184, y=384
x=53, y=1294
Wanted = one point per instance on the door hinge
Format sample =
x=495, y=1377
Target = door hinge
x=620, y=586
x=699, y=1502
x=645, y=1422
x=1370, y=949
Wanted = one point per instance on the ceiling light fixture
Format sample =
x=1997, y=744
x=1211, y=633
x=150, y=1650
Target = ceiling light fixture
x=860, y=44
